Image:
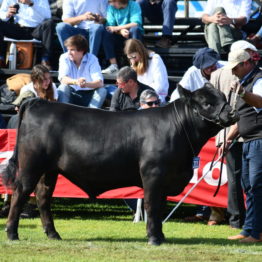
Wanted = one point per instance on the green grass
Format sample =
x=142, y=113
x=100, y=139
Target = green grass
x=103, y=231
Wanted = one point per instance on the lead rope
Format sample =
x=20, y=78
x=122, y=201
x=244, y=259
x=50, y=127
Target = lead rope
x=235, y=97
x=224, y=139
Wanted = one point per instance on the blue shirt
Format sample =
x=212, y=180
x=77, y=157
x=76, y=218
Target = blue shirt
x=130, y=14
x=89, y=69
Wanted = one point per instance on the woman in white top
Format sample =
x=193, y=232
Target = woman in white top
x=42, y=85
x=149, y=67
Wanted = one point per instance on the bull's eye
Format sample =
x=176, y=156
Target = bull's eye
x=206, y=106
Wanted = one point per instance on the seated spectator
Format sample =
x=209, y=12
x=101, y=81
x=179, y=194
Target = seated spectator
x=205, y=61
x=127, y=96
x=26, y=19
x=85, y=18
x=149, y=67
x=41, y=86
x=148, y=99
x=80, y=75
x=161, y=12
x=124, y=21
x=224, y=20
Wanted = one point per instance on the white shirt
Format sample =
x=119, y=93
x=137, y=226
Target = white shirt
x=73, y=8
x=156, y=76
x=30, y=87
x=89, y=69
x=27, y=16
x=233, y=8
x=193, y=80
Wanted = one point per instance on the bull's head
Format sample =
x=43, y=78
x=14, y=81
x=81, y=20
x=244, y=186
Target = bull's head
x=210, y=104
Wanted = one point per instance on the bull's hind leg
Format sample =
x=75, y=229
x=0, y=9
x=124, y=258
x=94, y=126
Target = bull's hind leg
x=44, y=192
x=25, y=185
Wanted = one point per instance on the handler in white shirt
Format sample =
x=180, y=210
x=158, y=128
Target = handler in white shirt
x=80, y=75
x=27, y=19
x=85, y=17
x=205, y=61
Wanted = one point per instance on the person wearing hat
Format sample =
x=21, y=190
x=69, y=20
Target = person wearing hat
x=221, y=79
x=249, y=106
x=205, y=61
x=223, y=22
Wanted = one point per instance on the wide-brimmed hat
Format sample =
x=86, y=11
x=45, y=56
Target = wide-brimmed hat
x=236, y=57
x=205, y=57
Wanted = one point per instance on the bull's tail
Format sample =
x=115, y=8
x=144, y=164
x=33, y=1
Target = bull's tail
x=8, y=174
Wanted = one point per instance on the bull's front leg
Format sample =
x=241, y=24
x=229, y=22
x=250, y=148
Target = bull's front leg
x=154, y=202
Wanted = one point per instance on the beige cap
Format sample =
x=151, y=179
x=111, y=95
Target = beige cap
x=242, y=44
x=236, y=57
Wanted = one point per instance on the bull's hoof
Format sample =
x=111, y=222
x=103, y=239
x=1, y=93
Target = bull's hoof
x=156, y=241
x=54, y=235
x=12, y=236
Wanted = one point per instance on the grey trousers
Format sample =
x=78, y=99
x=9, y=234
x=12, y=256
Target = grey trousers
x=218, y=36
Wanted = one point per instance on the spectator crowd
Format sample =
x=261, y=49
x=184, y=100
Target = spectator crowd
x=85, y=29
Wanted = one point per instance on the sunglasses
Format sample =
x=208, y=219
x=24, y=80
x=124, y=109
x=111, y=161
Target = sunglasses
x=151, y=103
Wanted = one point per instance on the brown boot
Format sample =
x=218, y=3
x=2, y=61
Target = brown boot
x=237, y=237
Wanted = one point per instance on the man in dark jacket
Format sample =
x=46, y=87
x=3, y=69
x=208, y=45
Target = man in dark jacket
x=126, y=97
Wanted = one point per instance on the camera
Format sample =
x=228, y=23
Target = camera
x=17, y=7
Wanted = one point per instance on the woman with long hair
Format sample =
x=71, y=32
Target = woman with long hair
x=149, y=66
x=41, y=85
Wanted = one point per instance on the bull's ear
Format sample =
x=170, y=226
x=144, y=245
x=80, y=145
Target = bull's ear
x=184, y=93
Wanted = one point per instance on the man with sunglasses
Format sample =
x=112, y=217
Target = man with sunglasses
x=148, y=99
x=127, y=95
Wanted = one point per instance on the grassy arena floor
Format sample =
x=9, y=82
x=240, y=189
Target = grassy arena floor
x=103, y=231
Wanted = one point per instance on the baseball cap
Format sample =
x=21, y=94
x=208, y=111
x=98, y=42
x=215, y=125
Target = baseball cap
x=22, y=97
x=235, y=57
x=243, y=45
x=205, y=57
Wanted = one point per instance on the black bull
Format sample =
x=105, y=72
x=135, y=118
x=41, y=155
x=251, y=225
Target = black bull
x=99, y=150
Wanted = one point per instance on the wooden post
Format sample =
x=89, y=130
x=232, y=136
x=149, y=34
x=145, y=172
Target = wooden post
x=186, y=4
